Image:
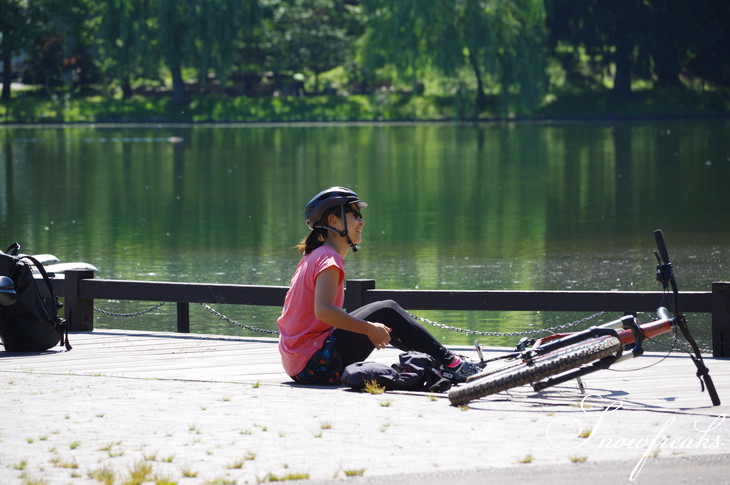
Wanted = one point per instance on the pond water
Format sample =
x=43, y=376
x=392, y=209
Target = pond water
x=452, y=206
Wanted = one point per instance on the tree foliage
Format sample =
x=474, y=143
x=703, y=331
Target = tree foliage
x=492, y=49
x=657, y=40
x=310, y=36
x=500, y=41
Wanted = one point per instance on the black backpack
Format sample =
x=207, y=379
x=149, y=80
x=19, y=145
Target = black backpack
x=28, y=322
x=415, y=371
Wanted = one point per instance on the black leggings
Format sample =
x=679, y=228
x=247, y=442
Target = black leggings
x=407, y=334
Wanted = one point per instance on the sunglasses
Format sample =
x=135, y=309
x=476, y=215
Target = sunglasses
x=356, y=213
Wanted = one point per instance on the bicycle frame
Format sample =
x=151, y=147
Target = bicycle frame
x=628, y=331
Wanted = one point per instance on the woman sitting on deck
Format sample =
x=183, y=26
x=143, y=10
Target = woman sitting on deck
x=318, y=338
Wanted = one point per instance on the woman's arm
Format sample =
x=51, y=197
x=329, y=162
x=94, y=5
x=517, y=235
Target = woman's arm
x=324, y=309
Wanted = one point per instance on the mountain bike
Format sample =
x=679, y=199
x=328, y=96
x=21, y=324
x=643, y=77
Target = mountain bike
x=559, y=358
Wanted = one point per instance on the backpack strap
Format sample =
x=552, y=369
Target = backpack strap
x=13, y=249
x=60, y=321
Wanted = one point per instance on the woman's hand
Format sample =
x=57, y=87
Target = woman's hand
x=379, y=335
x=324, y=309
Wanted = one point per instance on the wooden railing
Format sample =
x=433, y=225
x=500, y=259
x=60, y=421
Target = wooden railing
x=79, y=290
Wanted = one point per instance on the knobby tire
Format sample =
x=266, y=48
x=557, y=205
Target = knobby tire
x=538, y=368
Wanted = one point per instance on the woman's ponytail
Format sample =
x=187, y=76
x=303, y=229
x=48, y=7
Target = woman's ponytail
x=313, y=240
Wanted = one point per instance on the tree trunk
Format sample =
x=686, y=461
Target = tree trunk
x=7, y=74
x=622, y=79
x=481, y=100
x=126, y=88
x=179, y=95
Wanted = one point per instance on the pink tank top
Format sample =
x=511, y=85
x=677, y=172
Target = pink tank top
x=301, y=334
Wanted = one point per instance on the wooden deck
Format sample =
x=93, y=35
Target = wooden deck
x=158, y=355
x=216, y=409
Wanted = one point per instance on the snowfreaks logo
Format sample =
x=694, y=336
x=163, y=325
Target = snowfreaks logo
x=705, y=436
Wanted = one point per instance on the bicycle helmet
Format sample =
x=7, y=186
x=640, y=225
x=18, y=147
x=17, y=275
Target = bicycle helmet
x=7, y=291
x=327, y=199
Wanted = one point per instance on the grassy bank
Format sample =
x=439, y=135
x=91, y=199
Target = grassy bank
x=381, y=106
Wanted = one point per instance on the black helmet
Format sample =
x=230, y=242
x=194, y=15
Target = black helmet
x=7, y=291
x=327, y=199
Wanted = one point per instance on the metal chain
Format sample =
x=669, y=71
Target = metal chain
x=507, y=334
x=128, y=315
x=239, y=324
x=211, y=310
x=422, y=319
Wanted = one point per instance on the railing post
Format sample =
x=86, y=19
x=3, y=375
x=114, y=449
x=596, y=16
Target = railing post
x=355, y=293
x=183, y=317
x=79, y=312
x=721, y=319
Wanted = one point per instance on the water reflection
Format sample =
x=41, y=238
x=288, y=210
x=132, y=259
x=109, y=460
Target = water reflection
x=488, y=206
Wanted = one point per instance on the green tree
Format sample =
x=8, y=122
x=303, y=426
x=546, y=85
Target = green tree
x=21, y=23
x=689, y=40
x=501, y=42
x=311, y=36
x=53, y=36
x=126, y=41
x=13, y=32
x=201, y=34
x=615, y=35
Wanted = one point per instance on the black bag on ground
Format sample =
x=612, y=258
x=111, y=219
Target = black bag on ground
x=31, y=323
x=415, y=371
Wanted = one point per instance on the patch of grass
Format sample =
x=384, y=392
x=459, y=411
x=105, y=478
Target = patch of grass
x=270, y=477
x=249, y=456
x=104, y=475
x=357, y=472
x=644, y=101
x=578, y=459
x=34, y=481
x=585, y=434
x=59, y=463
x=110, y=449
x=373, y=387
x=139, y=473
x=527, y=459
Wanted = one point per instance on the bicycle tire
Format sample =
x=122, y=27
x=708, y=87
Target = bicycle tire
x=539, y=368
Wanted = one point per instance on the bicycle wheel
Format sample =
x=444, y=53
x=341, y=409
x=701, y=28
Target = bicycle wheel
x=557, y=362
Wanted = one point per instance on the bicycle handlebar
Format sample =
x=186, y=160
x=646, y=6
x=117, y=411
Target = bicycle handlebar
x=661, y=246
x=666, y=277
